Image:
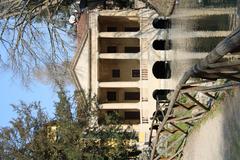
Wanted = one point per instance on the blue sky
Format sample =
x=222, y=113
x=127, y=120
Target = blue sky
x=12, y=91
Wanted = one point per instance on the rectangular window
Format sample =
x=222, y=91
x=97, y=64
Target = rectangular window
x=111, y=49
x=132, y=49
x=111, y=96
x=132, y=96
x=135, y=73
x=132, y=115
x=131, y=29
x=116, y=73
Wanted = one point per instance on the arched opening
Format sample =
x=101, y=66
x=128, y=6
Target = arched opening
x=162, y=44
x=162, y=70
x=161, y=94
x=160, y=23
x=159, y=116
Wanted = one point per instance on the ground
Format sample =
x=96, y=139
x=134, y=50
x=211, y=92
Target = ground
x=218, y=137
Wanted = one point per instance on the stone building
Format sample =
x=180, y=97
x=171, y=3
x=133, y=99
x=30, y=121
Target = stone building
x=127, y=56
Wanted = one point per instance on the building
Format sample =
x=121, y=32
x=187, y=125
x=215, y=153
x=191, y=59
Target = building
x=127, y=58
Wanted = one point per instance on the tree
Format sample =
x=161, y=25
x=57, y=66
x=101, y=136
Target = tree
x=32, y=135
x=16, y=142
x=35, y=34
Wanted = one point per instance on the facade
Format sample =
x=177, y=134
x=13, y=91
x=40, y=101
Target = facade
x=127, y=57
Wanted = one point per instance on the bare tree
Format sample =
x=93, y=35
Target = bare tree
x=34, y=33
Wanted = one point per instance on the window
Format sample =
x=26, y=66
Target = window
x=135, y=73
x=115, y=73
x=111, y=49
x=161, y=23
x=111, y=29
x=162, y=70
x=162, y=44
x=132, y=49
x=111, y=96
x=132, y=115
x=161, y=94
x=131, y=29
x=132, y=96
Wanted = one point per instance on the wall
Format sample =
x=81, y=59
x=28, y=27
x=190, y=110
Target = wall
x=119, y=42
x=102, y=95
x=121, y=113
x=125, y=66
x=82, y=69
x=119, y=22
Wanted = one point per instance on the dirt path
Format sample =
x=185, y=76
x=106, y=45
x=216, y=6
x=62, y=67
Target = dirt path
x=219, y=137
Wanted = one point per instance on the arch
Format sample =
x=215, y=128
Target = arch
x=160, y=23
x=161, y=70
x=161, y=94
x=162, y=44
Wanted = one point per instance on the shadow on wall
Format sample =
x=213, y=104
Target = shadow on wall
x=231, y=127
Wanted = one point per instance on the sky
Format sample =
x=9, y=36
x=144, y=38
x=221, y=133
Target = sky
x=12, y=91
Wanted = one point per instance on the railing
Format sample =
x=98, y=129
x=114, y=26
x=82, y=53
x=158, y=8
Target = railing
x=202, y=79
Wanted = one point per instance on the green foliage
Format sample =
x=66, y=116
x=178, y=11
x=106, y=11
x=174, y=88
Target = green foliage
x=16, y=142
x=63, y=108
x=182, y=99
x=111, y=118
x=33, y=136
